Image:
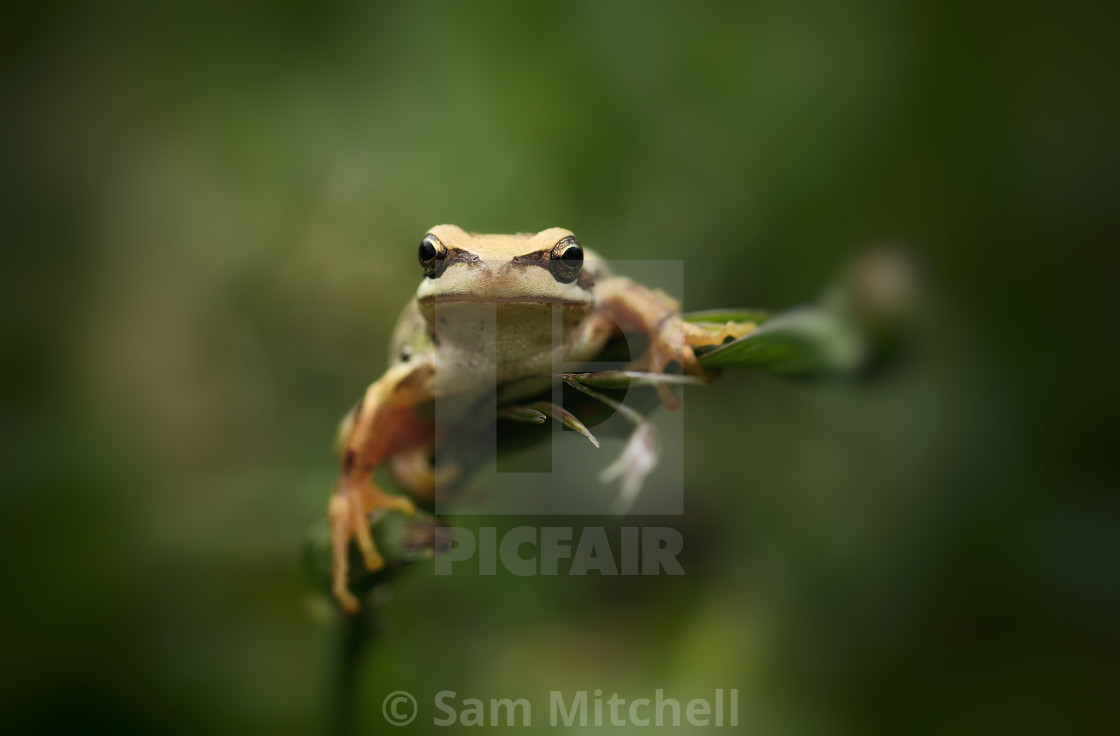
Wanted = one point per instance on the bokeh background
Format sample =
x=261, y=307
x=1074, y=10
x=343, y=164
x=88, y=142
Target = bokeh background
x=210, y=217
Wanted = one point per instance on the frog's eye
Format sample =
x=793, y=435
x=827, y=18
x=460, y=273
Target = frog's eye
x=567, y=260
x=432, y=255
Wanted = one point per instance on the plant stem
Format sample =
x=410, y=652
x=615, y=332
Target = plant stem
x=354, y=637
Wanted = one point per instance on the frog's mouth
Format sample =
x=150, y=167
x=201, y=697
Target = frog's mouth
x=454, y=309
x=449, y=299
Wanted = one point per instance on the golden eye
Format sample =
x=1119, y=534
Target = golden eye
x=567, y=260
x=432, y=254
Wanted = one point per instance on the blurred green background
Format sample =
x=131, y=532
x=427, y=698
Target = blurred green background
x=211, y=212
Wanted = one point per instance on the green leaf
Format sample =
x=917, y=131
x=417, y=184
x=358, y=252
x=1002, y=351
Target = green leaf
x=720, y=316
x=805, y=342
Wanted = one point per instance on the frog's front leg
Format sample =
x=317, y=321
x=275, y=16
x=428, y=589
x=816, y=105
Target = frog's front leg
x=379, y=426
x=413, y=469
x=671, y=339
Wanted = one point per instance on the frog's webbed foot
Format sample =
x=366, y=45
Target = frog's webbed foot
x=672, y=344
x=351, y=506
x=669, y=352
x=705, y=335
x=671, y=339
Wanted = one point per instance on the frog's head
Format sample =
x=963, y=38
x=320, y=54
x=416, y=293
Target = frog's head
x=549, y=266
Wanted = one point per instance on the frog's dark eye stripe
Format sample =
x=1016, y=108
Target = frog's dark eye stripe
x=435, y=257
x=563, y=260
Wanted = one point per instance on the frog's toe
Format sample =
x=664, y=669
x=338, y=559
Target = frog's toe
x=402, y=503
x=670, y=353
x=346, y=600
x=353, y=508
x=372, y=558
x=377, y=499
x=341, y=523
x=717, y=334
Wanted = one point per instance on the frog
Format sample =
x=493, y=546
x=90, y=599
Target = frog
x=446, y=344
